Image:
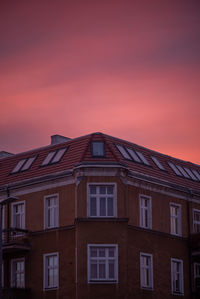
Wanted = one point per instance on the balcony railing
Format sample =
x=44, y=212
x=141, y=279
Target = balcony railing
x=15, y=239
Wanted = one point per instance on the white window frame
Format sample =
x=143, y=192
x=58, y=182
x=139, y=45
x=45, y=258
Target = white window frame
x=142, y=211
x=181, y=283
x=46, y=198
x=178, y=218
x=195, y=272
x=23, y=221
x=195, y=222
x=13, y=275
x=149, y=269
x=98, y=208
x=106, y=280
x=45, y=272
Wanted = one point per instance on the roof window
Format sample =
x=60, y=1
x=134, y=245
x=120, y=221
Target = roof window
x=123, y=152
x=175, y=169
x=23, y=164
x=192, y=176
x=132, y=155
x=157, y=162
x=196, y=173
x=98, y=149
x=183, y=172
x=54, y=156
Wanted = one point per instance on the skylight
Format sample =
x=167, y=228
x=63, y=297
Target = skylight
x=123, y=152
x=144, y=160
x=196, y=173
x=157, y=162
x=192, y=176
x=183, y=172
x=23, y=164
x=133, y=155
x=175, y=169
x=54, y=157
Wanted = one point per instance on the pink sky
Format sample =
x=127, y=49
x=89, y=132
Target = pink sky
x=130, y=69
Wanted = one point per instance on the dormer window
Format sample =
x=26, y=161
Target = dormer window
x=98, y=149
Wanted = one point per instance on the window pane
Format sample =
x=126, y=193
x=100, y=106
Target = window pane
x=102, y=270
x=110, y=209
x=93, y=206
x=93, y=270
x=111, y=270
x=102, y=252
x=93, y=252
x=102, y=190
x=102, y=206
x=111, y=252
x=93, y=189
x=97, y=148
x=110, y=189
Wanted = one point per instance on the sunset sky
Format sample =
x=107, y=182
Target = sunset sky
x=130, y=69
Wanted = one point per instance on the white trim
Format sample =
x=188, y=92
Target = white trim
x=115, y=280
x=193, y=221
x=149, y=211
x=46, y=197
x=178, y=218
x=12, y=270
x=180, y=262
x=45, y=256
x=114, y=195
x=150, y=268
x=23, y=226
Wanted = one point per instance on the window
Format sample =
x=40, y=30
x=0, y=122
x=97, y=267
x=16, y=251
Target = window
x=54, y=156
x=98, y=149
x=103, y=263
x=175, y=169
x=196, y=221
x=177, y=276
x=51, y=211
x=102, y=200
x=146, y=270
x=18, y=215
x=157, y=162
x=23, y=164
x=142, y=157
x=197, y=274
x=18, y=273
x=145, y=211
x=123, y=152
x=175, y=215
x=51, y=269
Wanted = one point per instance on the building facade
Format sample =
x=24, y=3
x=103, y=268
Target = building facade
x=99, y=217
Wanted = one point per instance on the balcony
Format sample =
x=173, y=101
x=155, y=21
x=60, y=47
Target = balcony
x=15, y=239
x=16, y=293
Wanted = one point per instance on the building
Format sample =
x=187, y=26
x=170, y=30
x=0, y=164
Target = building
x=99, y=217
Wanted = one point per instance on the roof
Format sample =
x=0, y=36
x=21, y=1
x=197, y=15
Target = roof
x=136, y=158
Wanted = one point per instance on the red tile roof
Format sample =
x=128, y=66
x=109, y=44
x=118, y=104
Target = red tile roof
x=79, y=151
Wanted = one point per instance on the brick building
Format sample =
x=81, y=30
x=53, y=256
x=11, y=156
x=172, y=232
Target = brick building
x=99, y=217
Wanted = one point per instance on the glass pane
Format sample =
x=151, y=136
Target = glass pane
x=93, y=189
x=102, y=206
x=97, y=148
x=102, y=270
x=93, y=270
x=110, y=208
x=111, y=270
x=110, y=189
x=93, y=252
x=102, y=252
x=102, y=190
x=111, y=252
x=93, y=206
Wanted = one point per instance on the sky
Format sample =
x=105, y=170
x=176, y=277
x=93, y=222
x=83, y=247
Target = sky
x=130, y=69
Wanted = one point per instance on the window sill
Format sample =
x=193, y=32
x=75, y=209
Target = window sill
x=50, y=288
x=103, y=282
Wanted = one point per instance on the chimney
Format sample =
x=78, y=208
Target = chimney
x=4, y=154
x=56, y=139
